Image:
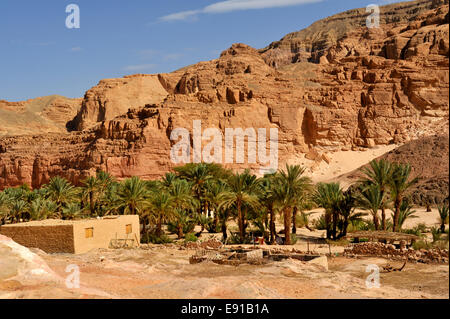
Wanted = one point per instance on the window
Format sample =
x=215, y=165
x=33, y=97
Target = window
x=89, y=232
x=128, y=229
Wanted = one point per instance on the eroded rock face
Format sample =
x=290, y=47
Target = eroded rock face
x=371, y=87
x=47, y=114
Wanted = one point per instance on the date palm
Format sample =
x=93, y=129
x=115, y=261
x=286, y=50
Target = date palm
x=183, y=201
x=371, y=198
x=242, y=190
x=60, y=191
x=198, y=175
x=328, y=196
x=406, y=212
x=161, y=209
x=214, y=190
x=443, y=216
x=132, y=196
x=291, y=192
x=4, y=207
x=18, y=209
x=42, y=208
x=379, y=173
x=268, y=199
x=346, y=208
x=399, y=185
x=90, y=190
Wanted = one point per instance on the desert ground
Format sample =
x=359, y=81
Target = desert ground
x=164, y=271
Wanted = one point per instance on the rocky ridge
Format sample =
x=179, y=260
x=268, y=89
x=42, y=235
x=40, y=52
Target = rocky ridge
x=371, y=87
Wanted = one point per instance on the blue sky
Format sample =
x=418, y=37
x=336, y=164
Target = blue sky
x=39, y=56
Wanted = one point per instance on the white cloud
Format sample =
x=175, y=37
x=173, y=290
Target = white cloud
x=234, y=5
x=173, y=56
x=139, y=67
x=75, y=49
x=184, y=15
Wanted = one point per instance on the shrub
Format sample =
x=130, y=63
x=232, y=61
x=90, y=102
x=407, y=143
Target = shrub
x=190, y=237
x=319, y=223
x=187, y=227
x=235, y=239
x=211, y=229
x=151, y=238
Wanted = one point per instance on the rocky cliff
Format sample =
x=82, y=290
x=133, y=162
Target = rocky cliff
x=360, y=89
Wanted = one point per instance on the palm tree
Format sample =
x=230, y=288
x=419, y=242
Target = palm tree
x=346, y=208
x=328, y=196
x=242, y=190
x=198, y=175
x=214, y=190
x=90, y=189
x=183, y=201
x=379, y=173
x=5, y=202
x=41, y=208
x=405, y=212
x=132, y=196
x=399, y=185
x=291, y=193
x=18, y=209
x=72, y=211
x=268, y=198
x=60, y=191
x=161, y=209
x=371, y=198
x=443, y=216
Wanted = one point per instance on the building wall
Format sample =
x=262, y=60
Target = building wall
x=105, y=232
x=51, y=239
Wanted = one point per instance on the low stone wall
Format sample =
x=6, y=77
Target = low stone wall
x=51, y=239
x=389, y=251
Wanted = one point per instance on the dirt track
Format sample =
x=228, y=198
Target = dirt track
x=166, y=273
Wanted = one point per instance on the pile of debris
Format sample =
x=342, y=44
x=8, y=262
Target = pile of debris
x=208, y=244
x=389, y=251
x=255, y=256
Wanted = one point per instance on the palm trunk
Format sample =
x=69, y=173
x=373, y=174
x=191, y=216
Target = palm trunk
x=180, y=231
x=335, y=218
x=294, y=220
x=383, y=211
x=272, y=226
x=216, y=219
x=91, y=203
x=241, y=222
x=287, y=224
x=328, y=223
x=344, y=231
x=375, y=221
x=397, y=203
x=224, y=230
x=159, y=227
x=442, y=227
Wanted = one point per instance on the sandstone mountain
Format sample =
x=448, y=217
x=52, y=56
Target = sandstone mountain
x=353, y=88
x=41, y=115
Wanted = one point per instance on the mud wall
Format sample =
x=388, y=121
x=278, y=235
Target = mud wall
x=51, y=239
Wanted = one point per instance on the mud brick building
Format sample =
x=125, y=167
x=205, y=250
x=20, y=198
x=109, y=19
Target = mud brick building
x=78, y=236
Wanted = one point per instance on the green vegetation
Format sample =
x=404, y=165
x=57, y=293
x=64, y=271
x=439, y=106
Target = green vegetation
x=209, y=196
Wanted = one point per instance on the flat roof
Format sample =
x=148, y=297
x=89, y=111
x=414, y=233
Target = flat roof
x=60, y=222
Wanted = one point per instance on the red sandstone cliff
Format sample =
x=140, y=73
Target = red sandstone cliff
x=370, y=87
